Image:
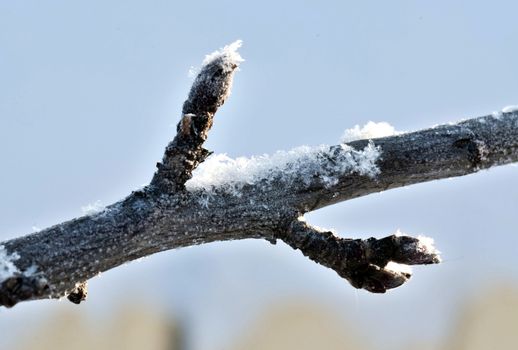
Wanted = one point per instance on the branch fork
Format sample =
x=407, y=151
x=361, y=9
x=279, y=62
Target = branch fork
x=57, y=261
x=364, y=263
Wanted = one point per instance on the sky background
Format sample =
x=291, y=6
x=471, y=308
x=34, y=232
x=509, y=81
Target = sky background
x=91, y=91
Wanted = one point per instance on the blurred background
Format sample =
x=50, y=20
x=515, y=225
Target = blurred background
x=90, y=93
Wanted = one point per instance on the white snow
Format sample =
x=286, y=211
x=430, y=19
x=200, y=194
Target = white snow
x=510, y=109
x=227, y=59
x=31, y=270
x=398, y=233
x=228, y=53
x=398, y=268
x=371, y=130
x=92, y=208
x=318, y=228
x=300, y=164
x=426, y=245
x=496, y=115
x=193, y=72
x=7, y=266
x=507, y=109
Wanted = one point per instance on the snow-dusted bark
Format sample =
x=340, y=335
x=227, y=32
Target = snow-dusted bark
x=263, y=197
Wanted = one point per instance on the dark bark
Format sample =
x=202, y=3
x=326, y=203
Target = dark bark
x=209, y=91
x=165, y=215
x=361, y=262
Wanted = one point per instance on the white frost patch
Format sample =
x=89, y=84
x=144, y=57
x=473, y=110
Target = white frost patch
x=510, y=109
x=193, y=72
x=426, y=245
x=92, y=208
x=31, y=270
x=303, y=164
x=496, y=115
x=7, y=266
x=398, y=268
x=204, y=200
x=228, y=52
x=371, y=130
x=398, y=233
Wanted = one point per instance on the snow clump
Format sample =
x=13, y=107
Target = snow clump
x=92, y=208
x=7, y=266
x=228, y=53
x=371, y=130
x=302, y=164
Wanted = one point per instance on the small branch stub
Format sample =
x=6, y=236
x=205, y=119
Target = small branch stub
x=209, y=91
x=79, y=294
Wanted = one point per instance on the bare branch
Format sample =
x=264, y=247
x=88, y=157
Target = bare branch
x=441, y=152
x=209, y=91
x=264, y=203
x=362, y=262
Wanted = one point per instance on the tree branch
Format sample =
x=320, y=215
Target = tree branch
x=209, y=91
x=362, y=262
x=255, y=198
x=437, y=153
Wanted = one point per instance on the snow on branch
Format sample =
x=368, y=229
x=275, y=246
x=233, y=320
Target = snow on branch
x=7, y=266
x=228, y=53
x=371, y=130
x=209, y=91
x=510, y=109
x=444, y=151
x=16, y=284
x=260, y=197
x=303, y=164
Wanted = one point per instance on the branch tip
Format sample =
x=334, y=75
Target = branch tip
x=20, y=287
x=375, y=265
x=228, y=53
x=209, y=91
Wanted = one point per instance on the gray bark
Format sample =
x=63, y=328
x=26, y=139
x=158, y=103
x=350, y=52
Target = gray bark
x=165, y=215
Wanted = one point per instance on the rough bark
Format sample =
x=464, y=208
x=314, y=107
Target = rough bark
x=165, y=215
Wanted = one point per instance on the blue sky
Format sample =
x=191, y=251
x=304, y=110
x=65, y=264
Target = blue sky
x=90, y=93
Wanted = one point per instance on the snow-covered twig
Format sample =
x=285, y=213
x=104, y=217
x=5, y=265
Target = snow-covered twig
x=260, y=198
x=209, y=91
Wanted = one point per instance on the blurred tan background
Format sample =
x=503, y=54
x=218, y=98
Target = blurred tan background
x=487, y=321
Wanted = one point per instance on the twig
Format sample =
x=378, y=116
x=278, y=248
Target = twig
x=267, y=203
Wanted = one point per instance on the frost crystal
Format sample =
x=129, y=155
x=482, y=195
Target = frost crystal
x=304, y=164
x=204, y=200
x=419, y=250
x=398, y=233
x=371, y=130
x=228, y=52
x=7, y=266
x=214, y=78
x=510, y=109
x=92, y=208
x=426, y=245
x=193, y=72
x=496, y=115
